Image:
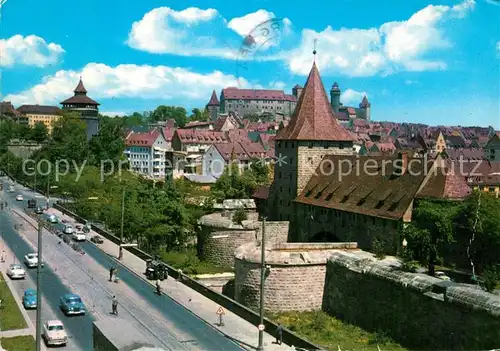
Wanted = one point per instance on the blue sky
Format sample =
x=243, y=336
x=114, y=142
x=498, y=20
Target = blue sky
x=434, y=63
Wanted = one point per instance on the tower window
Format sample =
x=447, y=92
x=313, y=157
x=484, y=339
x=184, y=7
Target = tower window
x=341, y=146
x=310, y=145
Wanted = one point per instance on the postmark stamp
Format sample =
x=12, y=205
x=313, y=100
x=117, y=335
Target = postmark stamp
x=262, y=37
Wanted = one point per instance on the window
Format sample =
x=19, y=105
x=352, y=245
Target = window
x=491, y=189
x=341, y=145
x=310, y=145
x=329, y=197
x=310, y=160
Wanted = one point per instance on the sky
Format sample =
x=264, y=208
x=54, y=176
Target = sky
x=436, y=63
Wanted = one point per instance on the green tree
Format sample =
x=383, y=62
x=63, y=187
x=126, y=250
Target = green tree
x=431, y=229
x=232, y=185
x=199, y=115
x=239, y=216
x=163, y=113
x=39, y=133
x=480, y=217
x=108, y=144
x=135, y=119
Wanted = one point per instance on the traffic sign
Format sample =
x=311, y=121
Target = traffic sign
x=262, y=327
x=220, y=311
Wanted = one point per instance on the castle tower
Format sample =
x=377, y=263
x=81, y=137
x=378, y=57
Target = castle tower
x=213, y=106
x=86, y=107
x=335, y=97
x=297, y=91
x=312, y=133
x=366, y=106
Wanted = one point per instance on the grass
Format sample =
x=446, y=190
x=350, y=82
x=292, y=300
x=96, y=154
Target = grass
x=11, y=316
x=190, y=264
x=333, y=334
x=19, y=343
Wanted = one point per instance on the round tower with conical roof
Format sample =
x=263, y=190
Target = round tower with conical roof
x=335, y=97
x=213, y=106
x=87, y=108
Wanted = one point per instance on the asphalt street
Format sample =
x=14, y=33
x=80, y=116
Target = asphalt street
x=159, y=318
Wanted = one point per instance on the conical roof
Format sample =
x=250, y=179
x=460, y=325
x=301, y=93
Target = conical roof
x=364, y=102
x=213, y=100
x=313, y=118
x=80, y=88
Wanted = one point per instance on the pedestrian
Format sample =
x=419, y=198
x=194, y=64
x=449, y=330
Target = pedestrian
x=3, y=257
x=111, y=273
x=279, y=334
x=114, y=305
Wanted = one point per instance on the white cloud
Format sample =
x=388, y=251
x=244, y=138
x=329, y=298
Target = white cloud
x=186, y=33
x=392, y=47
x=28, y=51
x=128, y=81
x=350, y=96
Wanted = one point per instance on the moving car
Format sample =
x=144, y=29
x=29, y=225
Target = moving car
x=19, y=198
x=29, y=298
x=72, y=304
x=39, y=210
x=68, y=229
x=54, y=333
x=96, y=239
x=53, y=219
x=31, y=260
x=15, y=271
x=12, y=189
x=79, y=236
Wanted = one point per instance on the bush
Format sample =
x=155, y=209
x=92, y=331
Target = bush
x=490, y=278
x=239, y=216
x=190, y=264
x=378, y=249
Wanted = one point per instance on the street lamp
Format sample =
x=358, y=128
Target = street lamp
x=262, y=283
x=120, y=253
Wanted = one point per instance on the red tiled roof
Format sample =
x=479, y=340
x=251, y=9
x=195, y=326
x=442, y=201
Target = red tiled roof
x=168, y=133
x=240, y=151
x=365, y=102
x=313, y=117
x=142, y=139
x=41, y=109
x=238, y=135
x=80, y=99
x=444, y=183
x=256, y=94
x=196, y=124
x=213, y=100
x=191, y=136
x=80, y=88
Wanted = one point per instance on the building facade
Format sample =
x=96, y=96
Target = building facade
x=146, y=153
x=256, y=101
x=492, y=148
x=40, y=114
x=347, y=113
x=87, y=108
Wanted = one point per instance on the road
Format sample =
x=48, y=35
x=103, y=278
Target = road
x=160, y=319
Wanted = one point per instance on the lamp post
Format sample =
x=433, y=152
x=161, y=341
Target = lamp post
x=39, y=291
x=120, y=253
x=262, y=283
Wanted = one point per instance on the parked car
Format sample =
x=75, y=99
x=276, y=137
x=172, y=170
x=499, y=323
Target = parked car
x=441, y=275
x=72, y=304
x=68, y=229
x=39, y=210
x=96, y=239
x=54, y=333
x=19, y=198
x=79, y=236
x=12, y=189
x=31, y=260
x=15, y=271
x=29, y=298
x=53, y=219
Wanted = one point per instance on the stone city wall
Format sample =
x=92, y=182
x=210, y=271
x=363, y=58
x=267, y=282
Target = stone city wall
x=419, y=311
x=294, y=279
x=219, y=237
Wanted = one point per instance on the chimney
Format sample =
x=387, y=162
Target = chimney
x=403, y=157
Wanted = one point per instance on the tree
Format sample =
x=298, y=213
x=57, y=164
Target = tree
x=108, y=144
x=239, y=216
x=232, y=185
x=431, y=229
x=480, y=217
x=163, y=113
x=40, y=132
x=135, y=119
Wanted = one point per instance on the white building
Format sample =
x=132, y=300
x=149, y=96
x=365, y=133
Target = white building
x=146, y=153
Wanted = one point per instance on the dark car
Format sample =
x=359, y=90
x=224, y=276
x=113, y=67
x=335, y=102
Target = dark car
x=39, y=210
x=71, y=304
x=31, y=203
x=96, y=239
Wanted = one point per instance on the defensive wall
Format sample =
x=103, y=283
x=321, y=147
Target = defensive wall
x=218, y=236
x=295, y=274
x=419, y=311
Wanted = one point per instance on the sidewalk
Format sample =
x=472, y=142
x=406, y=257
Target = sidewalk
x=238, y=329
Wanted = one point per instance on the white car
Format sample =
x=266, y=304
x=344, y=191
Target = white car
x=31, y=260
x=15, y=271
x=12, y=189
x=68, y=230
x=79, y=236
x=53, y=219
x=54, y=333
x=19, y=198
x=441, y=275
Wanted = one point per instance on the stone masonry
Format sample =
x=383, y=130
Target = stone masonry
x=295, y=277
